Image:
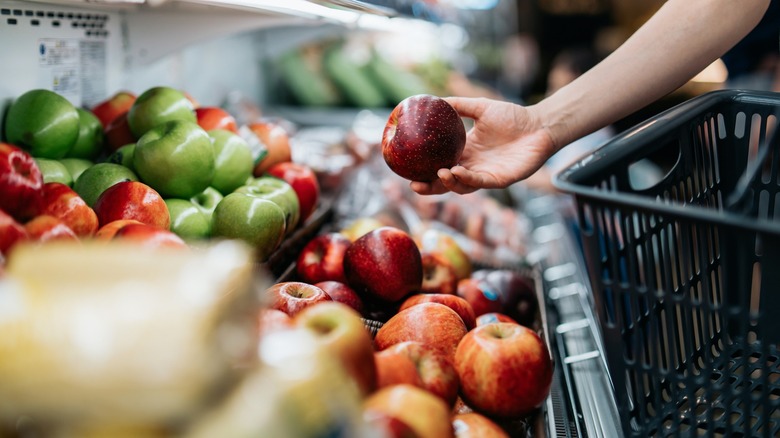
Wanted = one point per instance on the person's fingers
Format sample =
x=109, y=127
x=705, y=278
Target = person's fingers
x=467, y=106
x=428, y=188
x=453, y=184
x=470, y=178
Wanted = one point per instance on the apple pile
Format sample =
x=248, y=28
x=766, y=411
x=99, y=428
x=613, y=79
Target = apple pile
x=157, y=168
x=450, y=359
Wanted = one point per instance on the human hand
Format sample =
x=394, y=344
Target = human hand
x=506, y=144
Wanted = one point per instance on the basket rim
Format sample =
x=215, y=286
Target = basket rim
x=626, y=145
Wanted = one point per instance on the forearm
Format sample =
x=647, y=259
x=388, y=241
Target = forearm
x=682, y=38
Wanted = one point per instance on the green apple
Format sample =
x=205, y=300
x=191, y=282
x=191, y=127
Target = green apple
x=207, y=200
x=89, y=143
x=257, y=221
x=188, y=221
x=76, y=166
x=123, y=156
x=43, y=122
x=234, y=162
x=278, y=191
x=176, y=159
x=54, y=171
x=156, y=106
x=98, y=178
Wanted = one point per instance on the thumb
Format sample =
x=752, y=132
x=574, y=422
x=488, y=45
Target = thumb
x=471, y=107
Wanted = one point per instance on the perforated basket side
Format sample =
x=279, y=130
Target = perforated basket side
x=684, y=286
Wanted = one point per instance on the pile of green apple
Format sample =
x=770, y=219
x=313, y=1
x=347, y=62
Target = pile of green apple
x=157, y=167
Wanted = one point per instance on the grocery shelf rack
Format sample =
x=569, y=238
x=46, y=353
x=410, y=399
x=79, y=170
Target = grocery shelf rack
x=582, y=401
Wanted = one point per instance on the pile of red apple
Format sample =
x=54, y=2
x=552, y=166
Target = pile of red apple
x=450, y=357
x=157, y=168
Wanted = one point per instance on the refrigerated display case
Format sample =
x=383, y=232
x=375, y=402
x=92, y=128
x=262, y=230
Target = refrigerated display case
x=217, y=50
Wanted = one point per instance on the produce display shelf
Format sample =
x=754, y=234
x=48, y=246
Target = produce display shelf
x=582, y=402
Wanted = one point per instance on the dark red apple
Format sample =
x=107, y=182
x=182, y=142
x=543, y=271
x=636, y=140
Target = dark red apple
x=132, y=200
x=292, y=297
x=384, y=264
x=423, y=134
x=342, y=293
x=45, y=228
x=482, y=296
x=439, y=276
x=64, y=203
x=150, y=236
x=303, y=180
x=118, y=133
x=454, y=302
x=505, y=370
x=322, y=258
x=11, y=232
x=21, y=183
x=214, y=117
x=516, y=290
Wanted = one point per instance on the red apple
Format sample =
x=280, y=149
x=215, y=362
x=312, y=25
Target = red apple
x=118, y=133
x=132, y=200
x=517, y=291
x=214, y=117
x=303, y=181
x=423, y=134
x=490, y=318
x=342, y=293
x=420, y=365
x=111, y=108
x=505, y=370
x=340, y=330
x=64, y=203
x=438, y=274
x=11, y=233
x=149, y=235
x=276, y=141
x=322, y=258
x=108, y=231
x=475, y=425
x=45, y=228
x=21, y=183
x=482, y=296
x=384, y=264
x=271, y=320
x=384, y=425
x=432, y=324
x=292, y=297
x=456, y=303
x=427, y=414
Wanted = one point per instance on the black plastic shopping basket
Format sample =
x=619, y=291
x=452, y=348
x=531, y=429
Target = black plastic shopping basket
x=685, y=267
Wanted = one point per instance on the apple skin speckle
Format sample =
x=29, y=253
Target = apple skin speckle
x=423, y=134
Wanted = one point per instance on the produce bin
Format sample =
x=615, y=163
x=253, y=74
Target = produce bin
x=684, y=269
